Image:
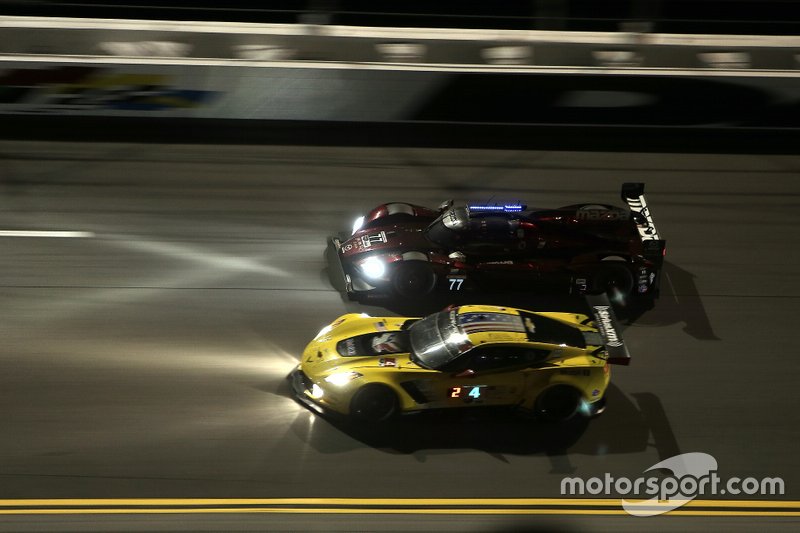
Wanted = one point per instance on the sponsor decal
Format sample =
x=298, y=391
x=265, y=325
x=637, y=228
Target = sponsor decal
x=611, y=215
x=643, y=280
x=647, y=229
x=450, y=219
x=77, y=88
x=606, y=326
x=387, y=361
x=529, y=325
x=575, y=372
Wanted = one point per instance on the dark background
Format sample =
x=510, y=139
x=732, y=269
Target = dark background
x=765, y=17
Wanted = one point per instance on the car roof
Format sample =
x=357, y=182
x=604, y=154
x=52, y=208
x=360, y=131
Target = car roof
x=487, y=323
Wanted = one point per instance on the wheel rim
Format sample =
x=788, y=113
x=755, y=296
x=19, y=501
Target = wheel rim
x=559, y=403
x=615, y=280
x=414, y=280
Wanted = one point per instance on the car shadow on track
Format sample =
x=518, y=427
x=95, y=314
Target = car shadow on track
x=680, y=303
x=626, y=427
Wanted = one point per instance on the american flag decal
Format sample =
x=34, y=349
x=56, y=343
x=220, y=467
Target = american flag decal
x=476, y=322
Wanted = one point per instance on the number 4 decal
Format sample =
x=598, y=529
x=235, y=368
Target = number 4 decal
x=475, y=392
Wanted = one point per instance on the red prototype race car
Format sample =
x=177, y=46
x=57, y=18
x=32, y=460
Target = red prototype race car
x=410, y=251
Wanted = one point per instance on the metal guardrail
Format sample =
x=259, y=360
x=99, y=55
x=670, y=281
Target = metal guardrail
x=84, y=38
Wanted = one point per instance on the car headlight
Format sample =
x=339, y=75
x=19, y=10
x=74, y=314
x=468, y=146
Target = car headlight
x=358, y=223
x=373, y=267
x=342, y=378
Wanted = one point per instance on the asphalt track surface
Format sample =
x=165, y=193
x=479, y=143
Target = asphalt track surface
x=146, y=357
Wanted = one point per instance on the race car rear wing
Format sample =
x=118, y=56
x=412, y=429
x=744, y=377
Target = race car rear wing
x=606, y=322
x=654, y=247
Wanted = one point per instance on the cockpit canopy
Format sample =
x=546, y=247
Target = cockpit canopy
x=439, y=340
x=450, y=228
x=461, y=225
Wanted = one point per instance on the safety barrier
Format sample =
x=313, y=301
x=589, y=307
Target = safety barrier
x=333, y=73
x=281, y=42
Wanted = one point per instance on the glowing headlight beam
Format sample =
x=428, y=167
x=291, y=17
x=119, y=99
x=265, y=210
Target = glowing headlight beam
x=373, y=267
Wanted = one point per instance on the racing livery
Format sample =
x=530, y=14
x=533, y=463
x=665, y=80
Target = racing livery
x=554, y=365
x=410, y=251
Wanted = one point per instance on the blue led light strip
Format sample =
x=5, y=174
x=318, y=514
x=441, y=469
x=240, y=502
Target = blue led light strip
x=506, y=208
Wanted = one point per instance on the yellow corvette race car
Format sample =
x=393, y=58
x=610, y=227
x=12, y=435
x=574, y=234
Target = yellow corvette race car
x=554, y=365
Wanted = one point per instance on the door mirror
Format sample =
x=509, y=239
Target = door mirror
x=468, y=373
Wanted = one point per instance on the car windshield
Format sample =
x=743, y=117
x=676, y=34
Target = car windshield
x=437, y=339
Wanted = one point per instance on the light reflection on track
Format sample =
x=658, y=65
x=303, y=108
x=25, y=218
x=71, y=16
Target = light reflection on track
x=153, y=363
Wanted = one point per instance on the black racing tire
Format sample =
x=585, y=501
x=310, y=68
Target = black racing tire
x=614, y=277
x=558, y=403
x=413, y=278
x=374, y=403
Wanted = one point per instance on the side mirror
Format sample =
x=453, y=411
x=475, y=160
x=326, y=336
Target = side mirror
x=468, y=373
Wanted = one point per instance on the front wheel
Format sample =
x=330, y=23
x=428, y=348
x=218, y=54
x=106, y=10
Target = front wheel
x=373, y=403
x=413, y=278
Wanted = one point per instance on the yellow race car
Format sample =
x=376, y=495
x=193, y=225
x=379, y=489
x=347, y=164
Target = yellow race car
x=554, y=365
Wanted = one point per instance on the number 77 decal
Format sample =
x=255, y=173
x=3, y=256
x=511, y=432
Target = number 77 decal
x=455, y=283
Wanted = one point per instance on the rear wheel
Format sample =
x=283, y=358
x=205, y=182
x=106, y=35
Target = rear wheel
x=413, y=278
x=558, y=403
x=615, y=279
x=373, y=403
